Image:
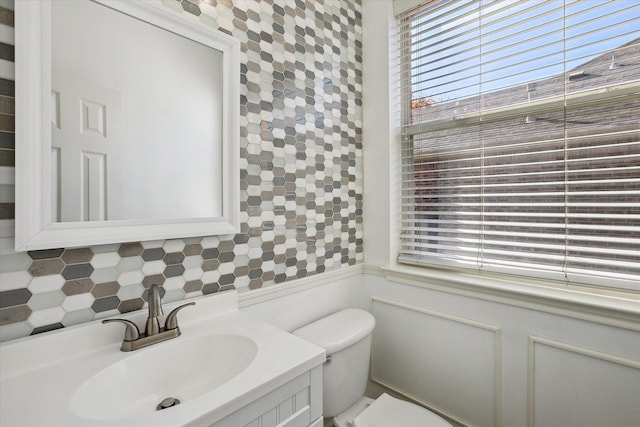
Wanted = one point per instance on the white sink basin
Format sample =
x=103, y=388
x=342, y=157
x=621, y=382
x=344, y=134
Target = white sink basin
x=78, y=377
x=183, y=369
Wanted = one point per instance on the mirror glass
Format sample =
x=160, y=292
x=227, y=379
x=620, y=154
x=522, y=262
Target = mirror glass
x=136, y=118
x=127, y=124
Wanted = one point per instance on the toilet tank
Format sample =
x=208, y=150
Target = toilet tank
x=346, y=337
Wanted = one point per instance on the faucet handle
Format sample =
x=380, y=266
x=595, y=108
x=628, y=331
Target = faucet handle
x=131, y=332
x=172, y=318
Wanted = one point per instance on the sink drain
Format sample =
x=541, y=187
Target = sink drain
x=167, y=403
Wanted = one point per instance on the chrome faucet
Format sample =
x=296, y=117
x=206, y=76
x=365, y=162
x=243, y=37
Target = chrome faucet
x=153, y=333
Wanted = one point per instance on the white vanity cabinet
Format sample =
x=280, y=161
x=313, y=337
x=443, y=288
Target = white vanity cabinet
x=298, y=403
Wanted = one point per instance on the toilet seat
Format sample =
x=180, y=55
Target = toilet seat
x=388, y=411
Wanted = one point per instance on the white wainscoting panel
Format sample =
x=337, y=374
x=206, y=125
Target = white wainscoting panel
x=573, y=386
x=448, y=363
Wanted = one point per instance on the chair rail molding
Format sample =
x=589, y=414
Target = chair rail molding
x=610, y=308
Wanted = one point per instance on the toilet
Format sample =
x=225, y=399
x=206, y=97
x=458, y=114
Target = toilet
x=346, y=338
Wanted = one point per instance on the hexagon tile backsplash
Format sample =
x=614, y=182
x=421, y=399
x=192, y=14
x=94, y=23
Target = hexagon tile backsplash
x=301, y=178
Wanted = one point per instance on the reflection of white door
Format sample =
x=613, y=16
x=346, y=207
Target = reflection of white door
x=85, y=130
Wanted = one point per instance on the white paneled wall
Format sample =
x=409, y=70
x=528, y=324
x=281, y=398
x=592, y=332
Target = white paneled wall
x=575, y=385
x=480, y=360
x=451, y=362
x=292, y=305
x=485, y=363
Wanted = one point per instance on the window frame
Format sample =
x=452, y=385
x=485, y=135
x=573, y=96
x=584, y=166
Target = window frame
x=556, y=103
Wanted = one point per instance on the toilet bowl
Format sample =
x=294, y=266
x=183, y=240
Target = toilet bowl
x=346, y=338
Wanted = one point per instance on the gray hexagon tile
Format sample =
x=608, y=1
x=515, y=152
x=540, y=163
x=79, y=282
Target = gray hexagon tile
x=300, y=179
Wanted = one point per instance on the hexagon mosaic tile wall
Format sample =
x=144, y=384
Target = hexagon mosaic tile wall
x=301, y=179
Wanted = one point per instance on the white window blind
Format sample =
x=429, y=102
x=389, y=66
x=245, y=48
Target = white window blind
x=521, y=138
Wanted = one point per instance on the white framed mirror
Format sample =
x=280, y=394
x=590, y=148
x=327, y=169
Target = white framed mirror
x=127, y=124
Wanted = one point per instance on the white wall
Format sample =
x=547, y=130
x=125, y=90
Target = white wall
x=292, y=305
x=488, y=363
x=378, y=135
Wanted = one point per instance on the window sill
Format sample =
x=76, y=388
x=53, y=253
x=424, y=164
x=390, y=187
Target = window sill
x=602, y=306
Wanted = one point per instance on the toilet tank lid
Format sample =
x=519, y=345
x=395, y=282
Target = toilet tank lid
x=338, y=330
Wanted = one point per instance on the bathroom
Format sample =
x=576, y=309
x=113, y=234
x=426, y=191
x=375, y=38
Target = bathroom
x=318, y=217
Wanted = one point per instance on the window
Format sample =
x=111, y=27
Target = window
x=521, y=138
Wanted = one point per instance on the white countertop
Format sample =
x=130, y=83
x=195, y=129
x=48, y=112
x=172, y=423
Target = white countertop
x=39, y=374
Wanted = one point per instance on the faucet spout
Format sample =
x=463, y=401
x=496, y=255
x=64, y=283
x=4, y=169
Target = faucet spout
x=155, y=307
x=152, y=326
